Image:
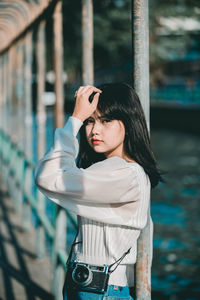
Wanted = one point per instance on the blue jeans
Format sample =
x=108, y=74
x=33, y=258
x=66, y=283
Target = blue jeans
x=113, y=293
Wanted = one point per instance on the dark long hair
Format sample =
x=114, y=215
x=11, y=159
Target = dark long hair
x=119, y=101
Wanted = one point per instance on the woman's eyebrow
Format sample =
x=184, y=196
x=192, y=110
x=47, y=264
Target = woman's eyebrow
x=98, y=117
x=102, y=117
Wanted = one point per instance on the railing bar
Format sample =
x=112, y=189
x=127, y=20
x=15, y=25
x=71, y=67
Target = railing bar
x=62, y=256
x=72, y=219
x=42, y=217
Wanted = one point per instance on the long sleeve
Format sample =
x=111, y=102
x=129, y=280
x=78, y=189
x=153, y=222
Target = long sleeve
x=106, y=191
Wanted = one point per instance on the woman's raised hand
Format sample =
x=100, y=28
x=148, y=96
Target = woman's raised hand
x=83, y=108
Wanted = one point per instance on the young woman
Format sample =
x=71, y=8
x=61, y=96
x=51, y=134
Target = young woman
x=108, y=188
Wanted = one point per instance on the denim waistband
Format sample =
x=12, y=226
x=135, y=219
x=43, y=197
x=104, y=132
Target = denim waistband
x=113, y=292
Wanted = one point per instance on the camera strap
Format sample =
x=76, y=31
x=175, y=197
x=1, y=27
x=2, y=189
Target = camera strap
x=117, y=262
x=71, y=250
x=110, y=270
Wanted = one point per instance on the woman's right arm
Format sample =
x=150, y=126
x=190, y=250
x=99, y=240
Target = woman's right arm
x=107, y=191
x=110, y=181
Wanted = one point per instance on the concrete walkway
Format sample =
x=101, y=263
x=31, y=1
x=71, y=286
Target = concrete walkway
x=22, y=275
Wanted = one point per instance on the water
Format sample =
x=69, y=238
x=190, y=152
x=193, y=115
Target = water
x=176, y=265
x=175, y=213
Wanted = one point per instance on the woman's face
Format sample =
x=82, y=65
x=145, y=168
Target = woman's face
x=105, y=136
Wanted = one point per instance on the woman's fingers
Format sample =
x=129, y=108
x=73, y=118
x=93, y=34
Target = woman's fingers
x=83, y=108
x=80, y=89
x=95, y=101
x=87, y=90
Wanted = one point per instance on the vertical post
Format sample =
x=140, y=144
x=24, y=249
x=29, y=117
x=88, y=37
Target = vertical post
x=14, y=111
x=141, y=85
x=9, y=111
x=1, y=117
x=87, y=42
x=60, y=236
x=59, y=245
x=19, y=90
x=41, y=122
x=7, y=116
x=141, y=52
x=10, y=60
x=28, y=126
x=13, y=92
x=28, y=95
x=4, y=92
x=41, y=111
x=1, y=92
x=58, y=64
x=21, y=101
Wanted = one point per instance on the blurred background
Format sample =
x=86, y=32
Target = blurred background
x=174, y=28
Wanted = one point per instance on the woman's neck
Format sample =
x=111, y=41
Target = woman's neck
x=120, y=154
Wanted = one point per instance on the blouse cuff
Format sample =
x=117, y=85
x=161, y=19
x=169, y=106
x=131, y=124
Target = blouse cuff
x=74, y=124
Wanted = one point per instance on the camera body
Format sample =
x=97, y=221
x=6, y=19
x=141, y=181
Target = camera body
x=87, y=277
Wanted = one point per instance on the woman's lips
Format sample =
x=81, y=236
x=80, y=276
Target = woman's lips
x=96, y=141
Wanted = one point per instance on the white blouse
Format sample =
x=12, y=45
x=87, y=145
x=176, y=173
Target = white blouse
x=110, y=197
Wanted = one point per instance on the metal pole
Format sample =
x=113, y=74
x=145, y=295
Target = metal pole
x=28, y=124
x=14, y=190
x=59, y=245
x=8, y=108
x=14, y=95
x=58, y=65
x=1, y=114
x=19, y=137
x=19, y=87
x=4, y=108
x=1, y=92
x=141, y=85
x=10, y=70
x=141, y=52
x=7, y=91
x=60, y=237
x=28, y=95
x=87, y=42
x=41, y=66
x=4, y=94
x=41, y=122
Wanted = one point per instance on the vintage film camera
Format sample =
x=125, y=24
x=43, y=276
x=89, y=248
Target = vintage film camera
x=88, y=277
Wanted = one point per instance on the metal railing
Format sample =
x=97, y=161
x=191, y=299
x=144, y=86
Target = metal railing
x=21, y=45
x=18, y=173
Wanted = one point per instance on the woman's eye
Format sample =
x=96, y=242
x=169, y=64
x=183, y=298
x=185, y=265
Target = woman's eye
x=106, y=121
x=89, y=121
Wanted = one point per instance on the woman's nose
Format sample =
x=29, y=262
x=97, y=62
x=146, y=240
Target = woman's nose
x=96, y=128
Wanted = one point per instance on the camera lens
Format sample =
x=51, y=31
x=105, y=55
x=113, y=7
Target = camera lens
x=82, y=275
